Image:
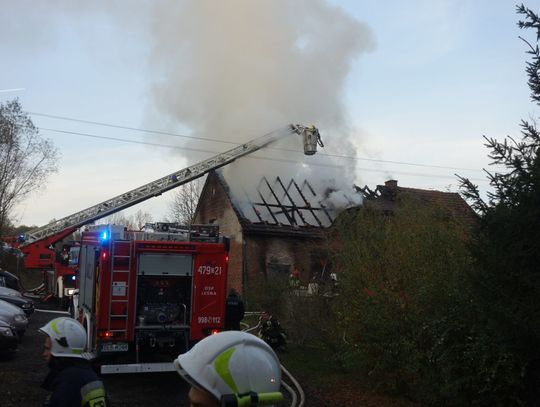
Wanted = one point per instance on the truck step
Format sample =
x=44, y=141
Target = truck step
x=138, y=368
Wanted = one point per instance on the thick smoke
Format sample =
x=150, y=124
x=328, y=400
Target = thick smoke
x=235, y=70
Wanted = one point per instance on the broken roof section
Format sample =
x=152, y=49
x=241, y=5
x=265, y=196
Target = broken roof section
x=286, y=202
x=290, y=204
x=386, y=198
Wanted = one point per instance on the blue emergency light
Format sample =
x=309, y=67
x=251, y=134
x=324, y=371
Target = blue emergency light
x=104, y=236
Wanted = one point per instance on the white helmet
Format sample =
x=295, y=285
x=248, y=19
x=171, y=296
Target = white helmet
x=237, y=368
x=68, y=337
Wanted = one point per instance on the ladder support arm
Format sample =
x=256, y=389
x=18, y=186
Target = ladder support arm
x=171, y=181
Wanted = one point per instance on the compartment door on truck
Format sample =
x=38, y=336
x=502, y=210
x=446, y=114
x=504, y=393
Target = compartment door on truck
x=164, y=288
x=209, y=294
x=87, y=277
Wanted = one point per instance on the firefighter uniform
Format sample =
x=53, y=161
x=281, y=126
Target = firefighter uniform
x=73, y=383
x=71, y=378
x=234, y=311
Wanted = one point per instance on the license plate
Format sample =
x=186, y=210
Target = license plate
x=114, y=347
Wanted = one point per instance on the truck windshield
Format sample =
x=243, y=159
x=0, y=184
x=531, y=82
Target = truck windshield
x=74, y=255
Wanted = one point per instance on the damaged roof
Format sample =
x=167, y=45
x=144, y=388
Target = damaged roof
x=280, y=206
x=385, y=197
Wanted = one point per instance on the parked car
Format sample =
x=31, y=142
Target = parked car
x=15, y=297
x=9, y=280
x=10, y=291
x=14, y=316
x=8, y=337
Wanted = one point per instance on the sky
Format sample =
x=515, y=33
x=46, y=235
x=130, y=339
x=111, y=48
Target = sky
x=399, y=90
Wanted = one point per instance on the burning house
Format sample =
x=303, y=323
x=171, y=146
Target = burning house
x=280, y=225
x=276, y=228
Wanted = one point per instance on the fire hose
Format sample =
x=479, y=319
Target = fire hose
x=292, y=390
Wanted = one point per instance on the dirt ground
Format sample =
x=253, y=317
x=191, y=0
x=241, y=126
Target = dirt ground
x=22, y=373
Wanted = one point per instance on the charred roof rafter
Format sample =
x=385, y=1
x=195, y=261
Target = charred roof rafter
x=278, y=204
x=265, y=204
x=293, y=182
x=322, y=208
x=294, y=207
x=289, y=205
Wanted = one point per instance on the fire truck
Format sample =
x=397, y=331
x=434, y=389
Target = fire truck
x=144, y=297
x=141, y=291
x=56, y=257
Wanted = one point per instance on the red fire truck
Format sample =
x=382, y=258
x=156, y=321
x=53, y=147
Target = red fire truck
x=38, y=247
x=56, y=258
x=146, y=291
x=144, y=297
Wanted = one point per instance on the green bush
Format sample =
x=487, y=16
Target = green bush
x=399, y=275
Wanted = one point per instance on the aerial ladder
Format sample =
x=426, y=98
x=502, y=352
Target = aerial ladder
x=38, y=243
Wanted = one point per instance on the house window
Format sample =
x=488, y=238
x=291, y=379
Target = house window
x=277, y=269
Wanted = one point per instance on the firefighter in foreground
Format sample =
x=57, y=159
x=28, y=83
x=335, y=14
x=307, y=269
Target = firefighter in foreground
x=231, y=369
x=71, y=378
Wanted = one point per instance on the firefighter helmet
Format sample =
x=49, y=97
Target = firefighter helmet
x=68, y=337
x=237, y=368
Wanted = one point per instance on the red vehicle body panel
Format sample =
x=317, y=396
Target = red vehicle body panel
x=209, y=293
x=40, y=255
x=121, y=285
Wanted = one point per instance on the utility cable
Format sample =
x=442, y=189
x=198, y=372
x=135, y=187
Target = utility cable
x=146, y=143
x=166, y=133
x=250, y=157
x=116, y=126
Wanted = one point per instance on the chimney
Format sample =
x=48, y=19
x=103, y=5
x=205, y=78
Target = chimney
x=391, y=183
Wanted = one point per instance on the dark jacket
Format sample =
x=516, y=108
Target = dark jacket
x=73, y=383
x=234, y=312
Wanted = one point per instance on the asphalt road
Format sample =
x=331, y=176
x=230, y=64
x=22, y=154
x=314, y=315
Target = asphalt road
x=22, y=373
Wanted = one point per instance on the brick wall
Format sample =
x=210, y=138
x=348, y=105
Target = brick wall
x=268, y=255
x=263, y=255
x=214, y=204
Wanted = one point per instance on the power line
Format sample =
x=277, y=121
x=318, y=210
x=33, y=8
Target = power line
x=248, y=157
x=11, y=90
x=166, y=133
x=398, y=162
x=146, y=143
x=116, y=126
x=200, y=150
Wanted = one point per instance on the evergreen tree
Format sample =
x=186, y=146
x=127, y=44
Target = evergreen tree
x=507, y=249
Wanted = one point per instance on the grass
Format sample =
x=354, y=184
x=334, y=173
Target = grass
x=327, y=385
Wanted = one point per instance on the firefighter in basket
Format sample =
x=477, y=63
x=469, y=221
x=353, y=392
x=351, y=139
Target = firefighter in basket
x=271, y=332
x=71, y=378
x=231, y=369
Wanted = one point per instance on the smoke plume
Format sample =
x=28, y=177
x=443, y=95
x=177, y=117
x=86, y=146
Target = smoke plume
x=235, y=70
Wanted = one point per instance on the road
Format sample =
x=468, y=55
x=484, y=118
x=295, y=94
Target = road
x=22, y=373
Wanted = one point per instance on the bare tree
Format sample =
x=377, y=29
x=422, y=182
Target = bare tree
x=118, y=218
x=139, y=219
x=135, y=221
x=26, y=159
x=184, y=202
